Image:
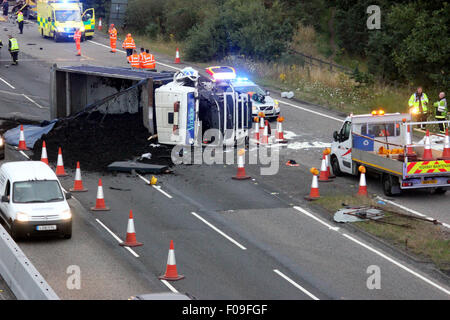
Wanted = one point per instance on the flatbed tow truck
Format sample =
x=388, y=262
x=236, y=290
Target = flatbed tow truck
x=382, y=143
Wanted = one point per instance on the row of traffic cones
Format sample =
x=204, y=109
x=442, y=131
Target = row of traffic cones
x=261, y=130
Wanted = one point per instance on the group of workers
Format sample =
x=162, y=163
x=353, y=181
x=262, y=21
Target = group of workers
x=418, y=105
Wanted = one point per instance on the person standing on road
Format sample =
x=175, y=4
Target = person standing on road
x=77, y=38
x=418, y=105
x=129, y=45
x=441, y=111
x=112, y=38
x=20, y=21
x=13, y=47
x=134, y=60
x=5, y=7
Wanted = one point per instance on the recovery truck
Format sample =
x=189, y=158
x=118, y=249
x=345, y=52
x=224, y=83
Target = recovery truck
x=382, y=143
x=177, y=106
x=59, y=19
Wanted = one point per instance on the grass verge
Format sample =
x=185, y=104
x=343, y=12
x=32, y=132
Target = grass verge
x=422, y=239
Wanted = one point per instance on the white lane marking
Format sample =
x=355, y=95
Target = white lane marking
x=24, y=154
x=308, y=145
x=156, y=187
x=311, y=111
x=168, y=285
x=118, y=50
x=218, y=231
x=117, y=238
x=411, y=211
x=295, y=284
x=315, y=218
x=7, y=83
x=34, y=102
x=397, y=264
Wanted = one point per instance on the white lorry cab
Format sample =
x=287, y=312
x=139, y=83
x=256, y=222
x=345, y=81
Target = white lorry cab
x=383, y=144
x=32, y=200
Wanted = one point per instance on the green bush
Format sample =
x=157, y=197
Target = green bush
x=142, y=12
x=152, y=30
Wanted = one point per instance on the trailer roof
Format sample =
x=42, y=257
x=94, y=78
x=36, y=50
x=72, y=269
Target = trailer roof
x=117, y=72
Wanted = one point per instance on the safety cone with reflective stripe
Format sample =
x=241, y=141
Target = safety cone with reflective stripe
x=171, y=269
x=427, y=153
x=130, y=240
x=314, y=193
x=60, y=172
x=100, y=201
x=327, y=159
x=265, y=136
x=100, y=24
x=22, y=144
x=177, y=56
x=78, y=184
x=256, y=129
x=362, y=191
x=446, y=151
x=44, y=157
x=323, y=177
x=279, y=134
x=409, y=150
x=241, y=169
x=261, y=124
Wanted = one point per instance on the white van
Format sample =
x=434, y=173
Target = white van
x=32, y=200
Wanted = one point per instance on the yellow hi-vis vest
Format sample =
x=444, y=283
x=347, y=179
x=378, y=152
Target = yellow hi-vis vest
x=14, y=45
x=20, y=17
x=414, y=102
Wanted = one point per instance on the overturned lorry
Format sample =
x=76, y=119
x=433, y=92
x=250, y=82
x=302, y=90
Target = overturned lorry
x=179, y=107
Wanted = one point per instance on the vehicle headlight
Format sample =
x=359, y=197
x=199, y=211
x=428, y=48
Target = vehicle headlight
x=277, y=106
x=22, y=217
x=60, y=29
x=66, y=215
x=2, y=142
x=82, y=29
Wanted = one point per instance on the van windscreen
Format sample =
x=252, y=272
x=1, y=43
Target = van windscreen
x=37, y=191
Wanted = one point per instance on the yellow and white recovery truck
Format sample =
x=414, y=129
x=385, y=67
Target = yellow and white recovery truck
x=58, y=19
x=383, y=144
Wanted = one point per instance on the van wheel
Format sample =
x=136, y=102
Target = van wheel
x=335, y=166
x=55, y=37
x=15, y=234
x=68, y=235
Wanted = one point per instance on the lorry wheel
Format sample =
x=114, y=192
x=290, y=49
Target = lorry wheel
x=390, y=185
x=440, y=191
x=335, y=166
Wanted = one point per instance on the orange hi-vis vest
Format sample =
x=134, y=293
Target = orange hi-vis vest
x=129, y=43
x=134, y=61
x=113, y=34
x=149, y=62
x=77, y=36
x=142, y=59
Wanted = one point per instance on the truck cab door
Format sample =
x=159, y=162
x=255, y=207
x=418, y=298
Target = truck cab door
x=88, y=19
x=344, y=147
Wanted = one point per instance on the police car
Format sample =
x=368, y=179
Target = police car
x=261, y=100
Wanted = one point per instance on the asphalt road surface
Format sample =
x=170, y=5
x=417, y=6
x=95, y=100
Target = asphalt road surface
x=254, y=239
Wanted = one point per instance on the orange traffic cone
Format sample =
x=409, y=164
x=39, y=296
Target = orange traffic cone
x=171, y=269
x=327, y=152
x=314, y=193
x=261, y=123
x=100, y=24
x=60, y=172
x=44, y=157
x=177, y=56
x=265, y=136
x=362, y=191
x=279, y=134
x=22, y=144
x=323, y=177
x=100, y=201
x=131, y=241
x=409, y=150
x=427, y=153
x=256, y=129
x=446, y=151
x=241, y=169
x=78, y=184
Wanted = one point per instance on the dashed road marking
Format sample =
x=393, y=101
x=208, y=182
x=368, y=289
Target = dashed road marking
x=219, y=231
x=117, y=238
x=398, y=264
x=7, y=83
x=295, y=284
x=34, y=102
x=156, y=187
x=168, y=285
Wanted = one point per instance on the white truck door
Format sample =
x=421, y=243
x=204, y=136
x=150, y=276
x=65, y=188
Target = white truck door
x=344, y=148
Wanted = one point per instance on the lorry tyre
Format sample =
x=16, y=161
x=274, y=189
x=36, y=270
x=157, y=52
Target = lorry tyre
x=440, y=191
x=335, y=166
x=390, y=185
